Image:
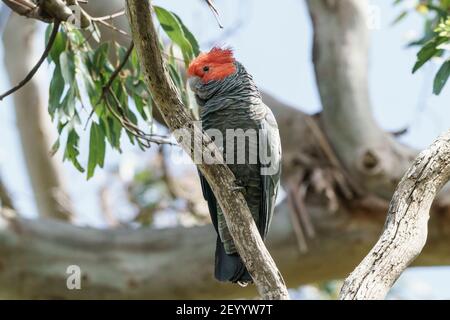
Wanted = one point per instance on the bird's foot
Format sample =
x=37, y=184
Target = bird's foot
x=243, y=284
x=239, y=186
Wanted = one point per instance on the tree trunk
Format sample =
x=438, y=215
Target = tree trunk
x=340, y=55
x=33, y=122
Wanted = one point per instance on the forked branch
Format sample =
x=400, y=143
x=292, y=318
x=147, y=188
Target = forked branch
x=406, y=228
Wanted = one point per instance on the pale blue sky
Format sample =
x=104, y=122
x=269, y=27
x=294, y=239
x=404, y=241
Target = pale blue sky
x=274, y=43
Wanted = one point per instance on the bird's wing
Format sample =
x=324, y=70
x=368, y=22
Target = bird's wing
x=270, y=160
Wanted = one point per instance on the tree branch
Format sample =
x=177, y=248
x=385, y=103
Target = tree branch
x=126, y=263
x=340, y=55
x=49, y=10
x=249, y=244
x=405, y=232
x=215, y=12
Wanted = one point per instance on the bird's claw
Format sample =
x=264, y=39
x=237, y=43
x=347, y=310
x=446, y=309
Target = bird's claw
x=239, y=186
x=243, y=284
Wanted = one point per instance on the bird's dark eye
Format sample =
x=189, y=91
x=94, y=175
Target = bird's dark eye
x=205, y=68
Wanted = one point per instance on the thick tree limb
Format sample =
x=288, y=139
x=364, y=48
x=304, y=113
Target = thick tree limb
x=341, y=46
x=405, y=232
x=178, y=263
x=247, y=239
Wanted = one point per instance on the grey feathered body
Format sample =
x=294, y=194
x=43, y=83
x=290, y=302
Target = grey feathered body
x=235, y=103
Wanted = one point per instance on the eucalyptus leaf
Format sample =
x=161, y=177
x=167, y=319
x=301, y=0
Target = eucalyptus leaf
x=441, y=78
x=174, y=31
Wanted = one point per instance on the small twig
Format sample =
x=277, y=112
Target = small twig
x=102, y=21
x=33, y=71
x=109, y=17
x=168, y=56
x=119, y=67
x=234, y=27
x=304, y=215
x=327, y=150
x=113, y=76
x=296, y=224
x=110, y=26
x=144, y=138
x=215, y=12
x=5, y=198
x=23, y=5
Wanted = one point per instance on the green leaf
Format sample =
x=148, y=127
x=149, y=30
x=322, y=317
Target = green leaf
x=96, y=34
x=76, y=37
x=135, y=62
x=175, y=77
x=71, y=153
x=97, y=149
x=101, y=55
x=400, y=17
x=428, y=51
x=441, y=78
x=67, y=62
x=82, y=67
x=189, y=36
x=139, y=103
x=174, y=31
x=56, y=90
x=58, y=46
x=112, y=130
x=67, y=107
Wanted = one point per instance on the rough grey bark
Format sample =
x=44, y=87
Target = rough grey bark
x=406, y=229
x=251, y=248
x=33, y=122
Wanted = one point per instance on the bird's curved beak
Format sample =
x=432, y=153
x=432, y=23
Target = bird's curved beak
x=194, y=82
